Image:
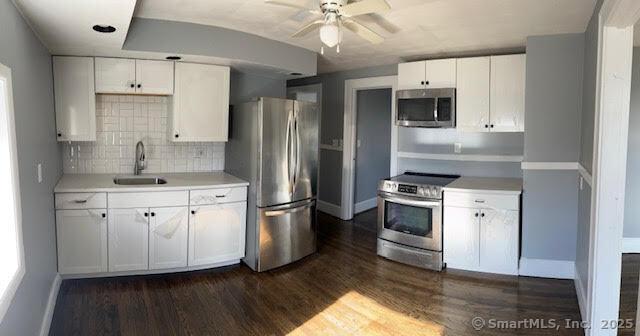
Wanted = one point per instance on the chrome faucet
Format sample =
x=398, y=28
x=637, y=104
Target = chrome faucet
x=140, y=158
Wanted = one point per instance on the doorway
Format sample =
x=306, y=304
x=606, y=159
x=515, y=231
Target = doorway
x=373, y=145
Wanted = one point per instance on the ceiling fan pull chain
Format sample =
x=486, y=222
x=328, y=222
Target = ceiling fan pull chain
x=322, y=50
x=338, y=49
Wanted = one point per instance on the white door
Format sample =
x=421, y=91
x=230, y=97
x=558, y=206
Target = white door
x=507, y=93
x=200, y=103
x=168, y=237
x=441, y=73
x=473, y=91
x=154, y=77
x=217, y=233
x=75, y=98
x=115, y=75
x=82, y=241
x=461, y=232
x=128, y=239
x=411, y=75
x=499, y=239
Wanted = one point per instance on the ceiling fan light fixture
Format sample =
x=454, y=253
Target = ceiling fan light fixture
x=330, y=35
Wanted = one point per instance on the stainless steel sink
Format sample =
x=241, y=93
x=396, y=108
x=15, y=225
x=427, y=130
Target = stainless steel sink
x=139, y=180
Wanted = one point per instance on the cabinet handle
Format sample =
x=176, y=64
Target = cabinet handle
x=479, y=201
x=132, y=85
x=146, y=214
x=221, y=196
x=193, y=212
x=139, y=86
x=104, y=215
x=80, y=201
x=153, y=214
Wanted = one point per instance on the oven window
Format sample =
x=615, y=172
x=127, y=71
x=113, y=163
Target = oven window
x=416, y=109
x=408, y=219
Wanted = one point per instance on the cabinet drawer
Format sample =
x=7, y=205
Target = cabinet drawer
x=81, y=201
x=219, y=195
x=478, y=200
x=148, y=199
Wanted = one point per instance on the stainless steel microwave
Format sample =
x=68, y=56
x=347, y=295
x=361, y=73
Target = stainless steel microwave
x=426, y=108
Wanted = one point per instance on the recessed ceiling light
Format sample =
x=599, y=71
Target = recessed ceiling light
x=174, y=58
x=295, y=74
x=104, y=28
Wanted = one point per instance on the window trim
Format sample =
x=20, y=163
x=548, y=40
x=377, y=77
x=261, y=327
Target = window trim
x=12, y=287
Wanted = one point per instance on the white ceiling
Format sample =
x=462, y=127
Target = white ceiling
x=65, y=26
x=424, y=27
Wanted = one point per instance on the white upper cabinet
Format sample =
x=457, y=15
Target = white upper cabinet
x=473, y=92
x=427, y=74
x=75, y=100
x=154, y=77
x=129, y=76
x=200, y=103
x=507, y=93
x=115, y=75
x=411, y=75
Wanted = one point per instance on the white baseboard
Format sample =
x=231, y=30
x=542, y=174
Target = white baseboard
x=630, y=245
x=51, y=306
x=366, y=205
x=546, y=268
x=330, y=208
x=581, y=292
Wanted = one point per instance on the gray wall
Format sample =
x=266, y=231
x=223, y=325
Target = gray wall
x=552, y=134
x=30, y=64
x=245, y=87
x=632, y=193
x=373, y=128
x=332, y=122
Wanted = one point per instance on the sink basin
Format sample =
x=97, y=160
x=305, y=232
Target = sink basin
x=139, y=180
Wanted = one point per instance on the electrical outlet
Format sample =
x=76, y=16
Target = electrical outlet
x=39, y=172
x=457, y=147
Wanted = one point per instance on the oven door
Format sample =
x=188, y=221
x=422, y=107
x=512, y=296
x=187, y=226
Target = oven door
x=410, y=221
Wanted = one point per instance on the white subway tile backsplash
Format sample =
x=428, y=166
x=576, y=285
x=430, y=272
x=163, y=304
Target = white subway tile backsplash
x=122, y=121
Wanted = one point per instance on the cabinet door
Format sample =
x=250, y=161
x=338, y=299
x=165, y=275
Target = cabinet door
x=75, y=99
x=507, y=93
x=411, y=75
x=115, y=75
x=473, y=87
x=168, y=237
x=128, y=239
x=200, y=103
x=217, y=233
x=499, y=240
x=461, y=235
x=154, y=77
x=441, y=73
x=82, y=241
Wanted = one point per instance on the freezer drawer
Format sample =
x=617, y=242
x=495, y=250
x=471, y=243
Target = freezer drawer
x=287, y=233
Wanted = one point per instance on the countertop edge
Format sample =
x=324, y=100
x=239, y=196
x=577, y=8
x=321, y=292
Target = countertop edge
x=484, y=191
x=152, y=189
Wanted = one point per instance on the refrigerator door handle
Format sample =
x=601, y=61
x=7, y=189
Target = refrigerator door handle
x=296, y=173
x=274, y=213
x=289, y=150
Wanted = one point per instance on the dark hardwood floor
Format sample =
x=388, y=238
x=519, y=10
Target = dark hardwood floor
x=629, y=290
x=344, y=289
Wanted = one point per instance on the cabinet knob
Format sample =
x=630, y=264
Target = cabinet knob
x=476, y=214
x=422, y=82
x=491, y=125
x=133, y=85
x=59, y=134
x=486, y=126
x=153, y=214
x=426, y=82
x=139, y=86
x=193, y=212
x=482, y=215
x=177, y=135
x=104, y=215
x=146, y=214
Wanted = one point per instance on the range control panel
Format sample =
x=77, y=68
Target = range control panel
x=409, y=189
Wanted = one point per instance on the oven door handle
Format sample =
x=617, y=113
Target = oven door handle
x=411, y=202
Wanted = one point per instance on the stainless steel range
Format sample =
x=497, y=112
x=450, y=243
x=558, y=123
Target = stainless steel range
x=410, y=218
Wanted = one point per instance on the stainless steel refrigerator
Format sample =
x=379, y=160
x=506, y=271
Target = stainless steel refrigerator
x=273, y=144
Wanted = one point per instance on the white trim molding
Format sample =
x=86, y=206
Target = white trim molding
x=330, y=208
x=461, y=157
x=351, y=88
x=630, y=245
x=547, y=268
x=550, y=165
x=51, y=305
x=366, y=205
x=331, y=147
x=581, y=293
x=586, y=176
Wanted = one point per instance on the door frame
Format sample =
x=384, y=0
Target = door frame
x=613, y=86
x=351, y=88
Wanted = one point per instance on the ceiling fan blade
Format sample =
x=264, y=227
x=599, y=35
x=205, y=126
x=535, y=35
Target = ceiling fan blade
x=363, y=31
x=302, y=4
x=364, y=7
x=308, y=28
x=380, y=21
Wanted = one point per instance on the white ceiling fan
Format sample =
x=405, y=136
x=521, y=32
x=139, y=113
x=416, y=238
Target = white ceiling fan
x=337, y=14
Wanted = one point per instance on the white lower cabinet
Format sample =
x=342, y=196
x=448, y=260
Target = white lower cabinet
x=168, y=238
x=483, y=235
x=82, y=241
x=217, y=233
x=128, y=239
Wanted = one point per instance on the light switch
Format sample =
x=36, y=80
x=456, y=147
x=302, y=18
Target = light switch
x=358, y=143
x=581, y=183
x=39, y=172
x=457, y=147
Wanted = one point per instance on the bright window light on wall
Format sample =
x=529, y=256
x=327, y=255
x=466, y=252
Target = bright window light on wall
x=11, y=250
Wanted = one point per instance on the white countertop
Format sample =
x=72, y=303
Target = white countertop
x=486, y=185
x=175, y=181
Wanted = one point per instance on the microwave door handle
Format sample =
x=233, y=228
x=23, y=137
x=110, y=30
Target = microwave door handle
x=435, y=112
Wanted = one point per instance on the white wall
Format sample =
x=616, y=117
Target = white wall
x=632, y=193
